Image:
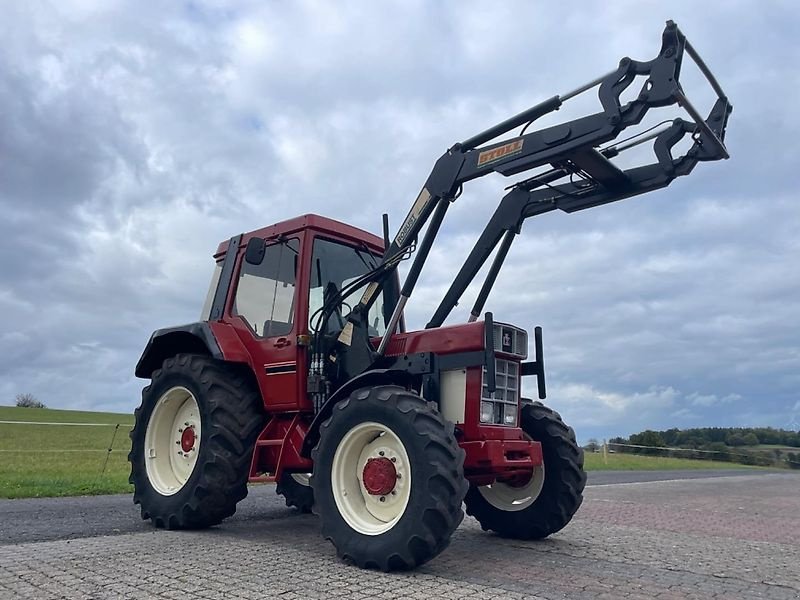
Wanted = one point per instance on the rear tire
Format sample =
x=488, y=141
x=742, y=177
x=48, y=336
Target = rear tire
x=401, y=511
x=296, y=490
x=546, y=503
x=193, y=479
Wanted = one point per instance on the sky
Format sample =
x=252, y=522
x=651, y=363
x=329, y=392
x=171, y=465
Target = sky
x=134, y=137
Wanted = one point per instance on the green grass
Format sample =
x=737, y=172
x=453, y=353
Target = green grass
x=66, y=460
x=52, y=415
x=637, y=462
x=770, y=448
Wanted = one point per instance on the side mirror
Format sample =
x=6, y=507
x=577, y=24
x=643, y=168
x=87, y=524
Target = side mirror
x=254, y=254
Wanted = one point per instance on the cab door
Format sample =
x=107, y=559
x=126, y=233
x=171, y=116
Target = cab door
x=264, y=315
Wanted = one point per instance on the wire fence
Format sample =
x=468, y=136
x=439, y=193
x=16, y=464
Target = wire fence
x=33, y=446
x=763, y=458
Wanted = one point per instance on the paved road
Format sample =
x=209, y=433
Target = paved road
x=712, y=537
x=44, y=519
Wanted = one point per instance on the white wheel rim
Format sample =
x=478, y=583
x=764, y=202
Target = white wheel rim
x=509, y=498
x=367, y=513
x=173, y=427
x=302, y=478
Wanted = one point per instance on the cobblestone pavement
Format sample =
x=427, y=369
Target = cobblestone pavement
x=735, y=537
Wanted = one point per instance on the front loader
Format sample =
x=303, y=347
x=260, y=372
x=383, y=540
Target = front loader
x=301, y=370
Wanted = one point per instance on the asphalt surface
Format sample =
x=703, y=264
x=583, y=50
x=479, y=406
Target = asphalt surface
x=44, y=519
x=718, y=534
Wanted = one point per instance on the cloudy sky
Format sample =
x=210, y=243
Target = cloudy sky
x=136, y=136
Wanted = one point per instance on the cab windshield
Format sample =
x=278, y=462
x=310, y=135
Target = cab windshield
x=333, y=266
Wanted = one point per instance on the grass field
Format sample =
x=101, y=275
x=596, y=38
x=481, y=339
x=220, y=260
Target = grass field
x=594, y=461
x=65, y=460
x=69, y=460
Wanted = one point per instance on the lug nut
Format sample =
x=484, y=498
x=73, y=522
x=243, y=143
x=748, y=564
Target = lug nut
x=383, y=498
x=399, y=475
x=394, y=459
x=381, y=453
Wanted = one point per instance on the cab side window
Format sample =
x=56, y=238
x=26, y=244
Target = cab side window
x=265, y=292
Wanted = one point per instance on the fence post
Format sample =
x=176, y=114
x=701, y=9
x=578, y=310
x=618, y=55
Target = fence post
x=110, y=446
x=605, y=452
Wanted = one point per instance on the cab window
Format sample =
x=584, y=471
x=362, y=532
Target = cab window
x=333, y=266
x=265, y=292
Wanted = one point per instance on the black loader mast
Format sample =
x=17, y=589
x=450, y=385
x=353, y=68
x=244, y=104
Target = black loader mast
x=574, y=150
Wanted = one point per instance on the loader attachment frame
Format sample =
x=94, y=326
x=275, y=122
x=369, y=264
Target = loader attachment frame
x=572, y=149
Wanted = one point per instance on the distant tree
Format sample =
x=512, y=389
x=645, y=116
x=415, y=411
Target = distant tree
x=27, y=400
x=649, y=438
x=750, y=439
x=592, y=445
x=721, y=451
x=672, y=436
x=735, y=439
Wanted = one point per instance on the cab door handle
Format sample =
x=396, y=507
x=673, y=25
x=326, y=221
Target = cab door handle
x=282, y=342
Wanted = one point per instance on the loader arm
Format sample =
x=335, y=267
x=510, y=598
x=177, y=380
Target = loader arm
x=572, y=149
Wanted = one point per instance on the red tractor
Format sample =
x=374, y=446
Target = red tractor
x=302, y=372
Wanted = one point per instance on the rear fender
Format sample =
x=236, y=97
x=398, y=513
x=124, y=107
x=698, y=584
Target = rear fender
x=210, y=339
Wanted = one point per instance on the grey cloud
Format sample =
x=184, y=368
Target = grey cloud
x=134, y=138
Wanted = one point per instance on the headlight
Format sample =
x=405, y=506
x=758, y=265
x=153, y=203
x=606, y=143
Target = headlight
x=501, y=407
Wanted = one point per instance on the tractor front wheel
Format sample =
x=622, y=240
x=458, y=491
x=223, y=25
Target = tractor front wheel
x=388, y=479
x=546, y=502
x=192, y=442
x=296, y=490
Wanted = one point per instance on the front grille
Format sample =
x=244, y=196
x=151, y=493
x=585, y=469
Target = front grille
x=511, y=340
x=501, y=407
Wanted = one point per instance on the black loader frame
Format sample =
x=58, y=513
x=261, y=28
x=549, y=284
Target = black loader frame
x=571, y=149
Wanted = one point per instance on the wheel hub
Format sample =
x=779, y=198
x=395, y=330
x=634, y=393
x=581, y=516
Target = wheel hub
x=379, y=476
x=187, y=439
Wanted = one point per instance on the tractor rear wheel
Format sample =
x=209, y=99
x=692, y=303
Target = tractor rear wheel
x=388, y=479
x=296, y=490
x=546, y=502
x=192, y=442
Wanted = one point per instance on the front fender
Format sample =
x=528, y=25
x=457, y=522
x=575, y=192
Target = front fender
x=194, y=338
x=366, y=379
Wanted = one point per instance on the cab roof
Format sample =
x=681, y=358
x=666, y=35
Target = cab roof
x=310, y=221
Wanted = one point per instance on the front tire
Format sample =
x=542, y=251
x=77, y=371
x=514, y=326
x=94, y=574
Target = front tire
x=192, y=442
x=546, y=502
x=296, y=490
x=388, y=479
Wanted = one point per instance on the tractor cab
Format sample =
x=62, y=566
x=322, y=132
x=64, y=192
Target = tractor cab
x=269, y=289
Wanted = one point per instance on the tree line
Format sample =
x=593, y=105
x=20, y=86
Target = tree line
x=733, y=444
